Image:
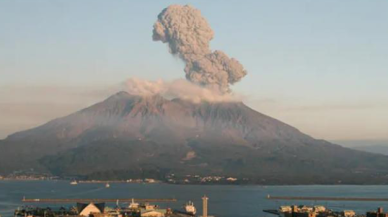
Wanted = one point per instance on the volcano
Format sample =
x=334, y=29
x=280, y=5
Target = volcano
x=128, y=136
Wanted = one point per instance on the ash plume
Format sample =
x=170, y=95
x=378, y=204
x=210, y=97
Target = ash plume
x=179, y=88
x=188, y=35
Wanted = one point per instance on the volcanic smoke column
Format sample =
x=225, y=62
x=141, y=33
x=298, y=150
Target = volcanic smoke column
x=188, y=35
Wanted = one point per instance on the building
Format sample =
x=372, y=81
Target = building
x=379, y=213
x=153, y=213
x=90, y=209
x=348, y=213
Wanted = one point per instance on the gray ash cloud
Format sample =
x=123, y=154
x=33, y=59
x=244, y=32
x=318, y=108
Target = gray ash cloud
x=188, y=35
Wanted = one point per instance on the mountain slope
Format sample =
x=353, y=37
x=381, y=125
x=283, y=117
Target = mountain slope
x=130, y=136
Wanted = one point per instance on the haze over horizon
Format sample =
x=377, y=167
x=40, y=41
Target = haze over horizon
x=320, y=67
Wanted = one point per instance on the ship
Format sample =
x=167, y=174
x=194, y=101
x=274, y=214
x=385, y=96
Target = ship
x=190, y=208
x=133, y=205
x=74, y=182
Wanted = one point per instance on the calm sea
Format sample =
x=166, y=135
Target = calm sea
x=224, y=201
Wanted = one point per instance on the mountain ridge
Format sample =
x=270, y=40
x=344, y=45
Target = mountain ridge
x=129, y=136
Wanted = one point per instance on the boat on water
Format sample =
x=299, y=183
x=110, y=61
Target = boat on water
x=133, y=205
x=74, y=182
x=190, y=208
x=107, y=185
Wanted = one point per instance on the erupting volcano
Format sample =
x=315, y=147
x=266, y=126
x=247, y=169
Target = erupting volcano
x=193, y=127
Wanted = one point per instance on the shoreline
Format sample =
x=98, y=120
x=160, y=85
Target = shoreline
x=85, y=182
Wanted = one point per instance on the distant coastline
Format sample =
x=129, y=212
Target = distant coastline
x=153, y=181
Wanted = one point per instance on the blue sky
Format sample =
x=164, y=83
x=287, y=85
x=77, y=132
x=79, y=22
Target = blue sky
x=321, y=66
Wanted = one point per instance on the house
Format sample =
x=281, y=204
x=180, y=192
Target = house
x=152, y=213
x=91, y=208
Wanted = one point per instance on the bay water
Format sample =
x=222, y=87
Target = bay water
x=224, y=201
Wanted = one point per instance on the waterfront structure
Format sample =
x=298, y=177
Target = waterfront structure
x=204, y=206
x=379, y=213
x=90, y=209
x=310, y=211
x=99, y=210
x=153, y=213
x=348, y=213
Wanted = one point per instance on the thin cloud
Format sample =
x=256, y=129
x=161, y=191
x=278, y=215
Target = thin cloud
x=344, y=106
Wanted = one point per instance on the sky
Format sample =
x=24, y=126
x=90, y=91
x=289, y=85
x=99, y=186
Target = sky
x=320, y=66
